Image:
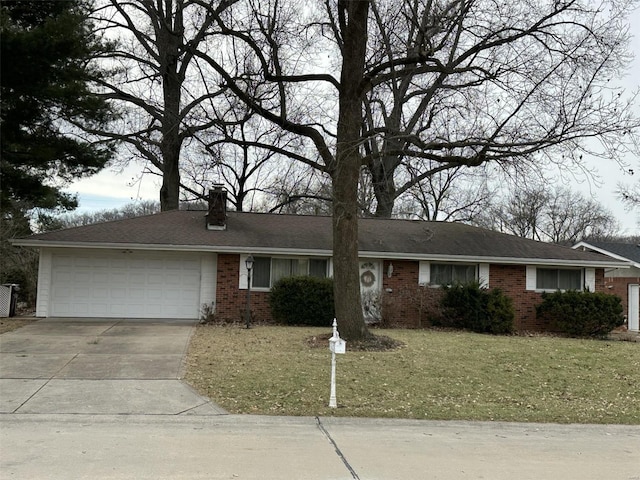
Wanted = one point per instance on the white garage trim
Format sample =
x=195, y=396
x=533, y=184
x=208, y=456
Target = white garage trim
x=633, y=316
x=125, y=283
x=208, y=280
x=44, y=283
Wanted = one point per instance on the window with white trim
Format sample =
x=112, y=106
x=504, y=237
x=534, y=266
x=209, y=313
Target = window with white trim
x=450, y=273
x=552, y=278
x=268, y=270
x=558, y=279
x=433, y=273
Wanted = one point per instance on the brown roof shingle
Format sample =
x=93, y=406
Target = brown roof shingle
x=270, y=232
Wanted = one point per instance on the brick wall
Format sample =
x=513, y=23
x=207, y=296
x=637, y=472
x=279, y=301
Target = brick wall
x=230, y=301
x=407, y=304
x=511, y=279
x=620, y=286
x=404, y=302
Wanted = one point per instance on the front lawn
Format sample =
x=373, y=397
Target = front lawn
x=436, y=375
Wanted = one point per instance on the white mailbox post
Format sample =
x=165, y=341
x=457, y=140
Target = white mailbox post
x=336, y=345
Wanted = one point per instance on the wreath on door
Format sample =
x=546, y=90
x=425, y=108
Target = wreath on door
x=368, y=278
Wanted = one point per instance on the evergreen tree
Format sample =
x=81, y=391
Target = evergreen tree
x=46, y=52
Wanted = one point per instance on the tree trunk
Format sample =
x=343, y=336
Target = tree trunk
x=345, y=174
x=169, y=43
x=170, y=190
x=384, y=188
x=348, y=304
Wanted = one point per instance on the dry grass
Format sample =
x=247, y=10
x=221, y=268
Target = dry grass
x=436, y=375
x=10, y=324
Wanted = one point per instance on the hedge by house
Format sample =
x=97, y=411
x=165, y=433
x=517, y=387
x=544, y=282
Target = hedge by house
x=470, y=306
x=581, y=314
x=302, y=301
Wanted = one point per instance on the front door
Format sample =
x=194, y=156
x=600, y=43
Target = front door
x=634, y=308
x=370, y=285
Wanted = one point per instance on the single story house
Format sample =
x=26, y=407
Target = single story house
x=172, y=264
x=624, y=282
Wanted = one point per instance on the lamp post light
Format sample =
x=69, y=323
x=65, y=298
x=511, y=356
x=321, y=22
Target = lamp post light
x=249, y=264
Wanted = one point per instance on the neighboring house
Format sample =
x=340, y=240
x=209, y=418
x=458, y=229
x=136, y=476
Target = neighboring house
x=170, y=264
x=624, y=282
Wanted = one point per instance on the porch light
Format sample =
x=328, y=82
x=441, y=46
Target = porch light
x=249, y=264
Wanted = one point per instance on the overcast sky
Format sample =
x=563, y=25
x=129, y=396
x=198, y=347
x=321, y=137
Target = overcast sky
x=111, y=189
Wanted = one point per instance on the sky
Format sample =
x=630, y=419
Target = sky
x=114, y=188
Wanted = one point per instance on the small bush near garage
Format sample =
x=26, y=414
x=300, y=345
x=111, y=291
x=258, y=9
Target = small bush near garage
x=581, y=314
x=302, y=301
x=471, y=307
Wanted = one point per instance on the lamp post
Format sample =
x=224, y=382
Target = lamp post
x=249, y=264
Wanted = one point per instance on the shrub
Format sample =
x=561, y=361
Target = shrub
x=208, y=313
x=472, y=307
x=581, y=314
x=302, y=301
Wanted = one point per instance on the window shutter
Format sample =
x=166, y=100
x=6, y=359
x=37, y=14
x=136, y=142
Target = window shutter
x=330, y=273
x=483, y=275
x=590, y=279
x=424, y=273
x=243, y=273
x=531, y=277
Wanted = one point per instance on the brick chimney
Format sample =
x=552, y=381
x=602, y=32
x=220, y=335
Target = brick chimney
x=217, y=215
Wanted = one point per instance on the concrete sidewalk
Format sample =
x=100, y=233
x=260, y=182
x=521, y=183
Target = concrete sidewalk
x=252, y=447
x=110, y=366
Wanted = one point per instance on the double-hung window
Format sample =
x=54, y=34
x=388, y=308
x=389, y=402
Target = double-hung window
x=268, y=270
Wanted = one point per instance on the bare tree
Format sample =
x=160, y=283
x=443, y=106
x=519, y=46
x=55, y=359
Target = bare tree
x=157, y=79
x=471, y=82
x=556, y=215
x=266, y=33
x=300, y=191
x=426, y=85
x=630, y=194
x=230, y=154
x=454, y=195
x=78, y=219
x=519, y=213
x=571, y=217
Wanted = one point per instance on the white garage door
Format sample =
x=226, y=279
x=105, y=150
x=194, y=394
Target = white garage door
x=125, y=284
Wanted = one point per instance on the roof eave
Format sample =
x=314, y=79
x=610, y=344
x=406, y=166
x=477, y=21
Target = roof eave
x=323, y=253
x=605, y=252
x=497, y=260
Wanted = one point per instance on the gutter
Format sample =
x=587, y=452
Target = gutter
x=324, y=253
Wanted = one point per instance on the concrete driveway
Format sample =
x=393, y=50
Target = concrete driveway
x=110, y=366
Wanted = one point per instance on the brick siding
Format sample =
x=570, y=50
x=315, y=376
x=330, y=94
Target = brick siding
x=620, y=286
x=230, y=300
x=404, y=303
x=511, y=279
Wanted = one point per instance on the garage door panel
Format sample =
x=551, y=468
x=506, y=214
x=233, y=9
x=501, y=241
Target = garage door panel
x=137, y=278
x=64, y=260
x=62, y=277
x=114, y=284
x=99, y=295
